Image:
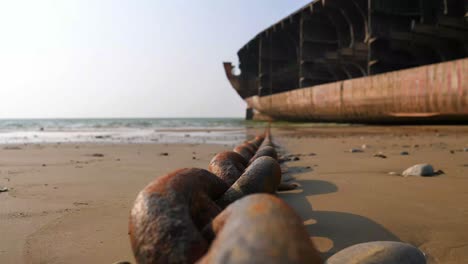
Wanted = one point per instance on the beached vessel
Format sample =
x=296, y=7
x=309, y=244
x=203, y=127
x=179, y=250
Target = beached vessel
x=359, y=61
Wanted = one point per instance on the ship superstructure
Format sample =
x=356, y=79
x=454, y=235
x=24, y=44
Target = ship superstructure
x=336, y=42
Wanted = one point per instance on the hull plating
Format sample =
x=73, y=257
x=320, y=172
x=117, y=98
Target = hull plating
x=437, y=92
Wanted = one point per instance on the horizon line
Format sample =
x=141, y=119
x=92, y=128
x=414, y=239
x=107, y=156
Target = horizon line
x=186, y=117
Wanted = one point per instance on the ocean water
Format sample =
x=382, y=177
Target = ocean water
x=128, y=130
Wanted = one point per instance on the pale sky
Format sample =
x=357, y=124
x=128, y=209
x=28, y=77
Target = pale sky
x=126, y=58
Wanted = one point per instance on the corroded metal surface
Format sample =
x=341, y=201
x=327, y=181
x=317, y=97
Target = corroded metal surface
x=262, y=176
x=437, y=92
x=259, y=228
x=228, y=165
x=169, y=215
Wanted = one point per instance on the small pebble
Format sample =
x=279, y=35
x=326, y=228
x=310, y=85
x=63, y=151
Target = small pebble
x=404, y=153
x=98, y=155
x=3, y=189
x=465, y=150
x=296, y=159
x=382, y=156
x=164, y=154
x=393, y=173
x=354, y=150
x=382, y=252
x=419, y=170
x=364, y=146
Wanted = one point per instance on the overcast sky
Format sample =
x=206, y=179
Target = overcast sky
x=126, y=58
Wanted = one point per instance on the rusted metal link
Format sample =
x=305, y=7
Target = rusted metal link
x=262, y=176
x=228, y=165
x=259, y=228
x=169, y=214
x=248, y=148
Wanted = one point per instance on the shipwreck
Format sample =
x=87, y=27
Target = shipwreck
x=370, y=61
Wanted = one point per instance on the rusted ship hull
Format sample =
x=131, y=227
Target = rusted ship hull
x=359, y=61
x=433, y=93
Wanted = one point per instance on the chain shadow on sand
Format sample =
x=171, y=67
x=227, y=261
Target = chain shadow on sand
x=342, y=229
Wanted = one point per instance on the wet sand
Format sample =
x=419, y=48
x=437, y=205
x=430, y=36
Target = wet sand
x=67, y=206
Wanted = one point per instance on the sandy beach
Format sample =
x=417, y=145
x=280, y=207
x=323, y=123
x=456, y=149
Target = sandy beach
x=69, y=203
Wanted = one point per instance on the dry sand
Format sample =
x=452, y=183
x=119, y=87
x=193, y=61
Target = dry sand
x=74, y=208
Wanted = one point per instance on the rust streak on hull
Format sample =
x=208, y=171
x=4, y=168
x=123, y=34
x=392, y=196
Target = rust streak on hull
x=435, y=92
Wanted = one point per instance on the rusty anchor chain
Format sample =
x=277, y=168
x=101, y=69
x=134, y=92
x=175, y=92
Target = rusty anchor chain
x=228, y=214
x=195, y=215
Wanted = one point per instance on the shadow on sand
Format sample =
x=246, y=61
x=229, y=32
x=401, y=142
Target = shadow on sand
x=343, y=229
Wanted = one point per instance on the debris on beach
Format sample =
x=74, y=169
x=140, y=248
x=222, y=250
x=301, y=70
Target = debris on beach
x=393, y=173
x=404, y=153
x=284, y=158
x=102, y=137
x=465, y=150
x=380, y=155
x=421, y=170
x=388, y=252
x=3, y=189
x=12, y=148
x=356, y=150
x=80, y=203
x=97, y=155
x=164, y=154
x=364, y=146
